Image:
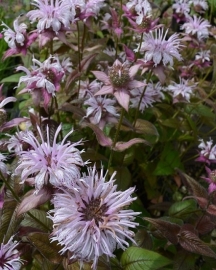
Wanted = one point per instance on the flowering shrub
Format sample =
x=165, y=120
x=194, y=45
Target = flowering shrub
x=107, y=147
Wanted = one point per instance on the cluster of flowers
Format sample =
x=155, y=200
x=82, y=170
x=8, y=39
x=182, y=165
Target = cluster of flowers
x=96, y=221
x=207, y=156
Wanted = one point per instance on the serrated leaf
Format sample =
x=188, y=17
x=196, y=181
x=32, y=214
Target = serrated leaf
x=205, y=225
x=191, y=242
x=184, y=261
x=195, y=187
x=135, y=258
x=145, y=127
x=9, y=221
x=182, y=209
x=168, y=230
x=49, y=250
x=42, y=222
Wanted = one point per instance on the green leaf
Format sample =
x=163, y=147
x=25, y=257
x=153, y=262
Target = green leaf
x=135, y=258
x=9, y=221
x=12, y=78
x=41, y=216
x=183, y=209
x=123, y=177
x=169, y=160
x=49, y=250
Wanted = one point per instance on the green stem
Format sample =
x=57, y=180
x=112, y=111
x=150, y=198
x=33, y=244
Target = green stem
x=138, y=107
x=116, y=137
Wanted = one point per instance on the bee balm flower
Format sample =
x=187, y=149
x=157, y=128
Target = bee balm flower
x=54, y=163
x=96, y=222
x=9, y=256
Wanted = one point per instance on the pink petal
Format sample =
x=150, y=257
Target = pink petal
x=135, y=84
x=101, y=76
x=122, y=98
x=133, y=70
x=121, y=146
x=106, y=89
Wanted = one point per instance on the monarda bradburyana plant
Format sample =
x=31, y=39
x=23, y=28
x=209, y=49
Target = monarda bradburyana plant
x=105, y=156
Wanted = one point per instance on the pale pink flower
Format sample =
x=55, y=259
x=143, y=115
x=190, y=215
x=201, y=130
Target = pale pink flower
x=181, y=91
x=181, y=10
x=199, y=5
x=44, y=78
x=159, y=49
x=139, y=14
x=207, y=152
x=153, y=93
x=196, y=26
x=54, y=163
x=88, y=88
x=52, y=15
x=18, y=39
x=96, y=222
x=15, y=143
x=210, y=179
x=202, y=59
x=101, y=110
x=3, y=114
x=9, y=256
x=119, y=82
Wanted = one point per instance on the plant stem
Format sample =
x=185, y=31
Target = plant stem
x=116, y=137
x=138, y=107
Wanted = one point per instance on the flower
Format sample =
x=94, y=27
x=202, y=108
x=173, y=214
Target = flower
x=199, y=5
x=44, y=79
x=202, y=59
x=3, y=115
x=119, y=82
x=210, y=179
x=101, y=111
x=17, y=40
x=96, y=222
x=15, y=142
x=159, y=49
x=181, y=91
x=208, y=152
x=9, y=256
x=139, y=14
x=182, y=9
x=51, y=15
x=50, y=162
x=196, y=26
x=152, y=94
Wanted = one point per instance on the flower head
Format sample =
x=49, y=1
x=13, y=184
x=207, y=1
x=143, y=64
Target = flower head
x=51, y=15
x=181, y=91
x=182, y=9
x=199, y=5
x=208, y=152
x=18, y=39
x=44, y=79
x=96, y=222
x=159, y=49
x=101, y=110
x=50, y=162
x=196, y=26
x=210, y=179
x=9, y=256
x=152, y=94
x=119, y=82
